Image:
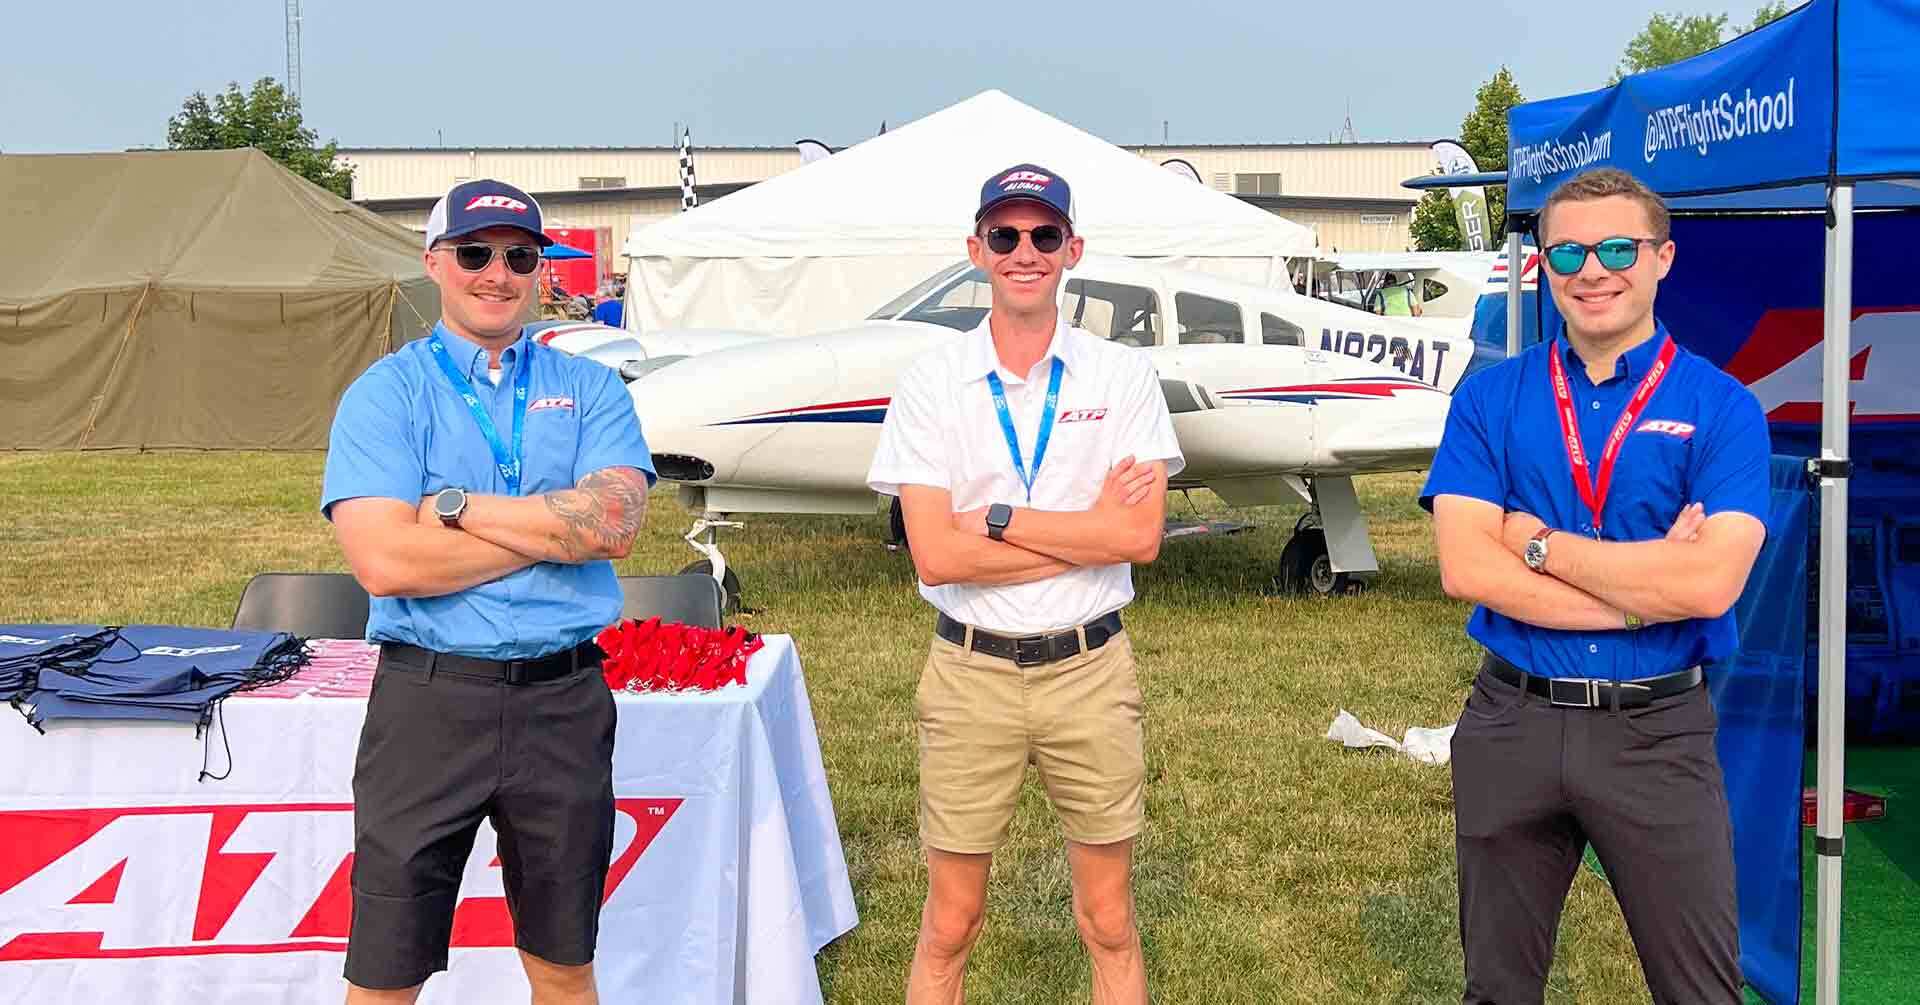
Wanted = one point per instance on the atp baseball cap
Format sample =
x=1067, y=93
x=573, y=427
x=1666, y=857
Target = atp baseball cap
x=1030, y=182
x=482, y=203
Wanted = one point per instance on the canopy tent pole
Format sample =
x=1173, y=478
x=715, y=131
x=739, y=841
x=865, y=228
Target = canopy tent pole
x=1833, y=468
x=1513, y=292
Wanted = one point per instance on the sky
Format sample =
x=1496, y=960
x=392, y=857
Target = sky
x=107, y=75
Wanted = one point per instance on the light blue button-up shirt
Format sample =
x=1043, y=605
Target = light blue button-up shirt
x=402, y=432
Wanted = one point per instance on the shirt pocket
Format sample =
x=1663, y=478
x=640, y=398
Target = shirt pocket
x=551, y=450
x=1659, y=481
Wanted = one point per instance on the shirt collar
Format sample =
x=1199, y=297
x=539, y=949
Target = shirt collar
x=1632, y=364
x=981, y=359
x=470, y=357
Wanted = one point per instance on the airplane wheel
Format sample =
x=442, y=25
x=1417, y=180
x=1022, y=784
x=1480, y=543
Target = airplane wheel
x=897, y=528
x=729, y=584
x=1305, y=568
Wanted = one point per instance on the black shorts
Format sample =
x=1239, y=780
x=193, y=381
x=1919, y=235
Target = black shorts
x=439, y=752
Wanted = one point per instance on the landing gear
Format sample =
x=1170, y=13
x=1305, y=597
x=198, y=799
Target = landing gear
x=896, y=528
x=1328, y=554
x=1306, y=568
x=715, y=564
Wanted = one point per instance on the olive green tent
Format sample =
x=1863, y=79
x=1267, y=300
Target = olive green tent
x=205, y=299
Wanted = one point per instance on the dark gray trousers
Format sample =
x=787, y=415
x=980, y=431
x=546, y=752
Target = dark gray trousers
x=1533, y=784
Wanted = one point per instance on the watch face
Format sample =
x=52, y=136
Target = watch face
x=449, y=503
x=1536, y=553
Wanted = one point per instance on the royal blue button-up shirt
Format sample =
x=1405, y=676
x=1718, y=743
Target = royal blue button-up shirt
x=1702, y=438
x=402, y=432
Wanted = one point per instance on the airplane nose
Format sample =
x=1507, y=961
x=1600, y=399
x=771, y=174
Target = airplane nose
x=703, y=415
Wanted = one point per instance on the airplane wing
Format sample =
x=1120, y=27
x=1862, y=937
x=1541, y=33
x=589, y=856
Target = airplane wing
x=1401, y=444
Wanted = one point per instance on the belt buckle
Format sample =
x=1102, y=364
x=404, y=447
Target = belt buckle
x=1586, y=692
x=516, y=673
x=1030, y=650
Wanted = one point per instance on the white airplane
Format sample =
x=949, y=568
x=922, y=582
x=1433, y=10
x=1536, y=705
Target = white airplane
x=1263, y=416
x=633, y=354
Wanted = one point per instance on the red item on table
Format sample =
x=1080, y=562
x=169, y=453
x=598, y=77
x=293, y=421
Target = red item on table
x=653, y=655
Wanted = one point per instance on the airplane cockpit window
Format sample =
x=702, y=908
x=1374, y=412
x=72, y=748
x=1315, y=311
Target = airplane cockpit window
x=960, y=303
x=1129, y=315
x=1280, y=331
x=1206, y=321
x=919, y=291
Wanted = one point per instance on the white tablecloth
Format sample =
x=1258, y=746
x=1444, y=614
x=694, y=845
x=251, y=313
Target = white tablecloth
x=122, y=879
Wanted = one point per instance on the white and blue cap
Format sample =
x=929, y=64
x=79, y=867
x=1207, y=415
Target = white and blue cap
x=482, y=203
x=1030, y=182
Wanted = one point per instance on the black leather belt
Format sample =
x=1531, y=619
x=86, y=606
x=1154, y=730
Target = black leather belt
x=1031, y=650
x=1588, y=692
x=552, y=666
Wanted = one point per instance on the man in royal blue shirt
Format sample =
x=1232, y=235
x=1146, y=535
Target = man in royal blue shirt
x=611, y=311
x=478, y=483
x=1600, y=499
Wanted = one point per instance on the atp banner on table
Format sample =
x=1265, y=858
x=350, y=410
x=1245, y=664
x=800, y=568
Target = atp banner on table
x=123, y=879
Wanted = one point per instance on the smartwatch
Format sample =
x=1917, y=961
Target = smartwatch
x=1535, y=554
x=449, y=504
x=998, y=516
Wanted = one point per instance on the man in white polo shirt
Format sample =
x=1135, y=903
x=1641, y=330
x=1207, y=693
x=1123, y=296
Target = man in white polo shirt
x=1031, y=461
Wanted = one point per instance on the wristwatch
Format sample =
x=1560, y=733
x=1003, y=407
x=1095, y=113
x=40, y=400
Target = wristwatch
x=449, y=505
x=1536, y=551
x=998, y=516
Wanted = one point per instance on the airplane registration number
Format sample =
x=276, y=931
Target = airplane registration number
x=1413, y=357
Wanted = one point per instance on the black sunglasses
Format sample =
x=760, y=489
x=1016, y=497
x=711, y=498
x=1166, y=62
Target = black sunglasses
x=522, y=259
x=1047, y=238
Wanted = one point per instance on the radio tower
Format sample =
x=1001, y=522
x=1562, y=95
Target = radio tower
x=293, y=49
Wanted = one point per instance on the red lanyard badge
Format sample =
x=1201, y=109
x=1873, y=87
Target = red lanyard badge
x=1596, y=497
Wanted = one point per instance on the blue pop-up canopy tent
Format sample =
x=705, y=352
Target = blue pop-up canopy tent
x=1794, y=127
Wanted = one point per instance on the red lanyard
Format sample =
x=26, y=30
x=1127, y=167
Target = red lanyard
x=1596, y=498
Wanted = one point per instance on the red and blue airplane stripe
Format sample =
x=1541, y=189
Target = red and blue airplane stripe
x=864, y=410
x=1344, y=389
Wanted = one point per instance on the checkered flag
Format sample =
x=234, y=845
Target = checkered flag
x=688, y=199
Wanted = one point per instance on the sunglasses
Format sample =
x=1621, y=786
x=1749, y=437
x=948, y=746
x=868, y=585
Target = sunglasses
x=522, y=259
x=1616, y=254
x=1047, y=238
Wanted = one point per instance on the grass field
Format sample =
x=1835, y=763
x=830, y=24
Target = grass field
x=1276, y=867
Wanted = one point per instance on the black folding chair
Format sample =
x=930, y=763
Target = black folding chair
x=689, y=598
x=315, y=605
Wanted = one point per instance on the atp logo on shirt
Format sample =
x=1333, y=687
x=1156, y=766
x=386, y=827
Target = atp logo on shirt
x=1683, y=430
x=539, y=404
x=1083, y=415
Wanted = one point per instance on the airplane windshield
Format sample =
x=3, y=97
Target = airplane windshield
x=919, y=291
x=960, y=303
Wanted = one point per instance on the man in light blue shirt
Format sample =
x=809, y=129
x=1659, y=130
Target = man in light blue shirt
x=479, y=483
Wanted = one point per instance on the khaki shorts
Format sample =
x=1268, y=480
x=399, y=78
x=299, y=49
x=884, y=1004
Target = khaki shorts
x=984, y=719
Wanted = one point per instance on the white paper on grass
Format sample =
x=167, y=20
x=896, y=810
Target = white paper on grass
x=1428, y=746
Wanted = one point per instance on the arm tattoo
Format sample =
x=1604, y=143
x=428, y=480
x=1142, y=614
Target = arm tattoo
x=601, y=514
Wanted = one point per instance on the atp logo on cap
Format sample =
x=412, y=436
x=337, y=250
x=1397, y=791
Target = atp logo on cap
x=1033, y=177
x=505, y=202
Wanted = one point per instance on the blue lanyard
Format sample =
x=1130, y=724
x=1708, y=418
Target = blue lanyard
x=1046, y=425
x=508, y=463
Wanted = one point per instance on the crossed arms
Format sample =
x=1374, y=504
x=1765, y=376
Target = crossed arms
x=1122, y=525
x=398, y=549
x=1696, y=571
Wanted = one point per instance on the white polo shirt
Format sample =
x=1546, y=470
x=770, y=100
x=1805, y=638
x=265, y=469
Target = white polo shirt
x=942, y=431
